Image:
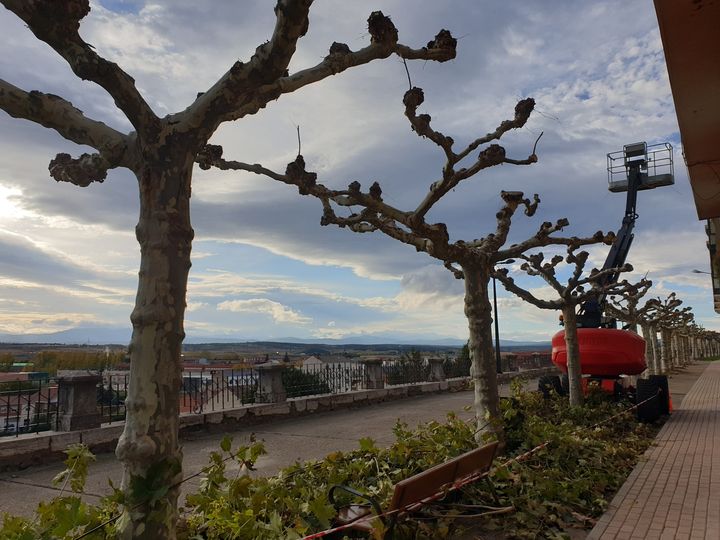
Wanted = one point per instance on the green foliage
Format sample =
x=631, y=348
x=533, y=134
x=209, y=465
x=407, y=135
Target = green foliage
x=63, y=517
x=569, y=483
x=294, y=502
x=565, y=485
x=78, y=458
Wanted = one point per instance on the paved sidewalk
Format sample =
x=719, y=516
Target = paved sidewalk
x=674, y=492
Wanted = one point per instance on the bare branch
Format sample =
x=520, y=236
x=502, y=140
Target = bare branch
x=543, y=238
x=271, y=59
x=245, y=89
x=54, y=112
x=509, y=284
x=512, y=199
x=489, y=157
x=57, y=24
x=523, y=109
x=457, y=272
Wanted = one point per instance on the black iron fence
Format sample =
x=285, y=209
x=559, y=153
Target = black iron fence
x=111, y=394
x=456, y=367
x=403, y=371
x=208, y=390
x=28, y=406
x=334, y=378
x=31, y=406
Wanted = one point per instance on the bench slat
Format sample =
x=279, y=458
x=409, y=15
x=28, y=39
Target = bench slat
x=428, y=483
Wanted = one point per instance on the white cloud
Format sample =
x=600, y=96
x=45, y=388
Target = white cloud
x=278, y=312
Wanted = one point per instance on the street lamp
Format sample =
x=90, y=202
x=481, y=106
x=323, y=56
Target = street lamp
x=498, y=363
x=694, y=271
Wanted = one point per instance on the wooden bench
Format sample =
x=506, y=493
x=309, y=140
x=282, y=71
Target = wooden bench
x=410, y=494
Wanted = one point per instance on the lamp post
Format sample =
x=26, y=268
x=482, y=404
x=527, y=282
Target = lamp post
x=498, y=363
x=701, y=272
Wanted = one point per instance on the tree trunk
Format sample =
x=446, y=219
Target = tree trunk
x=149, y=446
x=482, y=370
x=657, y=351
x=573, y=356
x=665, y=359
x=650, y=358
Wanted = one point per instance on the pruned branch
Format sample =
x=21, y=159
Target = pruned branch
x=83, y=171
x=247, y=88
x=489, y=157
x=574, y=292
x=543, y=238
x=509, y=283
x=57, y=24
x=54, y=112
x=624, y=307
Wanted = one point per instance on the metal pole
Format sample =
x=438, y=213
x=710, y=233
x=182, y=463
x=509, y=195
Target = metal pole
x=498, y=364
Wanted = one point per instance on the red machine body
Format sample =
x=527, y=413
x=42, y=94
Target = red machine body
x=604, y=352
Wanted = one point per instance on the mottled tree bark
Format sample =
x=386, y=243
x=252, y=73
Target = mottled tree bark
x=483, y=370
x=650, y=353
x=665, y=356
x=149, y=445
x=657, y=351
x=573, y=355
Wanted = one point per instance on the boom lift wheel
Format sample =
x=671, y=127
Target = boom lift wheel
x=651, y=410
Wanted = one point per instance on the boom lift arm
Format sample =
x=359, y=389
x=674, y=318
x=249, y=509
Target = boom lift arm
x=635, y=164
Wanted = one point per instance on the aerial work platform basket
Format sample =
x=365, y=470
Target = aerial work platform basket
x=656, y=171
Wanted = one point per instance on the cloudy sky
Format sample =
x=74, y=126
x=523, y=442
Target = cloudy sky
x=263, y=268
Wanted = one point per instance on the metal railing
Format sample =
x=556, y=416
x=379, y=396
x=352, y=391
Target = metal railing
x=399, y=372
x=28, y=406
x=323, y=379
x=455, y=368
x=111, y=395
x=208, y=390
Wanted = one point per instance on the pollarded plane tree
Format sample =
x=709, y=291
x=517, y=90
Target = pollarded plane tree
x=666, y=311
x=679, y=331
x=579, y=288
x=161, y=152
x=655, y=311
x=471, y=261
x=709, y=344
x=694, y=331
x=626, y=308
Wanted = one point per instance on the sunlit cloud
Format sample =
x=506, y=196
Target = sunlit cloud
x=278, y=312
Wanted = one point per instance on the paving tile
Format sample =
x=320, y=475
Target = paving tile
x=674, y=491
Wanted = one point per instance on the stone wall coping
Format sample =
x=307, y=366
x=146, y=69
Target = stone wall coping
x=80, y=376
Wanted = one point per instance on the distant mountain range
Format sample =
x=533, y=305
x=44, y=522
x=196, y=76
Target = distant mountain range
x=121, y=336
